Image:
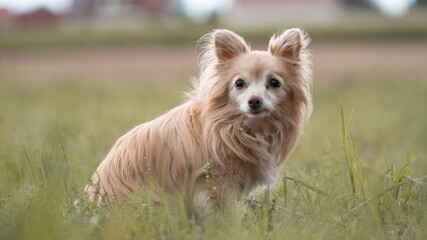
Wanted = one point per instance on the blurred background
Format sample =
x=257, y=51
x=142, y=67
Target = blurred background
x=152, y=40
x=89, y=70
x=75, y=75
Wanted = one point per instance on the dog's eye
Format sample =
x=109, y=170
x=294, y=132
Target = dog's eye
x=274, y=83
x=240, y=83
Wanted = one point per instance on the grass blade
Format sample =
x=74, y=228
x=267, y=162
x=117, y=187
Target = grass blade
x=347, y=151
x=357, y=169
x=25, y=152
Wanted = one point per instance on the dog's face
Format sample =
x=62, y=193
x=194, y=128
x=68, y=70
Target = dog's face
x=259, y=82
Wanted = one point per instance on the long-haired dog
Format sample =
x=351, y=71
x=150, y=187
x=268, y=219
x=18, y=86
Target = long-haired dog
x=242, y=119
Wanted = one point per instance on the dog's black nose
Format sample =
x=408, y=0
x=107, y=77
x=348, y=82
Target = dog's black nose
x=255, y=102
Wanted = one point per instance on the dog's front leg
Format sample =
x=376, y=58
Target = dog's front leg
x=211, y=198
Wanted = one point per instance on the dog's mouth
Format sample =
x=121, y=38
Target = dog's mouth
x=257, y=113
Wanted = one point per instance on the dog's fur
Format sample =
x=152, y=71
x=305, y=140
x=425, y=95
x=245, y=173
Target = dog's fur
x=214, y=147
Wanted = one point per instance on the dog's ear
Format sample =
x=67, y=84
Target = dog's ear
x=228, y=45
x=288, y=44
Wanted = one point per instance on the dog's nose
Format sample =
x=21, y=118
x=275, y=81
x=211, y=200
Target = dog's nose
x=255, y=102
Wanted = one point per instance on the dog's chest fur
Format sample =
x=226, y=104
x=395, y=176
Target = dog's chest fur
x=251, y=174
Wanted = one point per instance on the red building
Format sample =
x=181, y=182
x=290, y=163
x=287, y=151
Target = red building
x=40, y=18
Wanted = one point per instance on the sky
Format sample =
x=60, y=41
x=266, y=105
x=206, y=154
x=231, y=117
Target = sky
x=193, y=8
x=201, y=9
x=394, y=7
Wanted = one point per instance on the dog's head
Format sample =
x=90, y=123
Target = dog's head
x=253, y=103
x=258, y=84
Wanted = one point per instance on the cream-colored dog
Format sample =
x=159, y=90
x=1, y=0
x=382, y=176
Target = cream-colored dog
x=241, y=121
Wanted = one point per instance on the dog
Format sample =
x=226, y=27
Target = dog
x=243, y=117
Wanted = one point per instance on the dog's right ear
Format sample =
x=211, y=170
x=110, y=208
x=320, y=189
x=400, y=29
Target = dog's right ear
x=228, y=45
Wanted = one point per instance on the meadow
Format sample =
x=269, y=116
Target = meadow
x=358, y=171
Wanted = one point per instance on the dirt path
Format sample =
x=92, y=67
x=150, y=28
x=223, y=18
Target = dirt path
x=333, y=63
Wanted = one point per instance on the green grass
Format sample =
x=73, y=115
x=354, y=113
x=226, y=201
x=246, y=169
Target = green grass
x=356, y=174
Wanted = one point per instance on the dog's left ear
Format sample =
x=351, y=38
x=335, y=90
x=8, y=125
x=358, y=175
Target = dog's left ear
x=288, y=44
x=228, y=45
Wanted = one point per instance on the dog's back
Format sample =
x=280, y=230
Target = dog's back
x=166, y=146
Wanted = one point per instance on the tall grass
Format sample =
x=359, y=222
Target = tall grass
x=357, y=175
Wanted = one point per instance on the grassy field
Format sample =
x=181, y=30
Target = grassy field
x=364, y=180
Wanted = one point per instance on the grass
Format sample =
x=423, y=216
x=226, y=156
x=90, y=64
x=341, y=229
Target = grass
x=357, y=173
